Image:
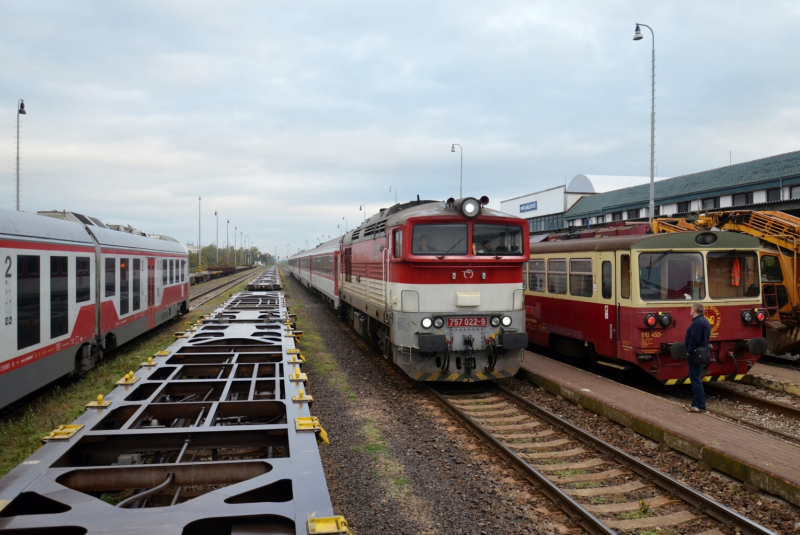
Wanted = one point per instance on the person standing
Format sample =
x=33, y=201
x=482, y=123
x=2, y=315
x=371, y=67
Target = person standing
x=697, y=336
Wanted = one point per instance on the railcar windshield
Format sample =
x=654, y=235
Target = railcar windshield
x=666, y=276
x=496, y=240
x=439, y=239
x=732, y=275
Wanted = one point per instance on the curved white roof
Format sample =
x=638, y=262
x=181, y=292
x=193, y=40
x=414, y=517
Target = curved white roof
x=31, y=226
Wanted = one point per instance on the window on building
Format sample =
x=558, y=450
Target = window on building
x=547, y=222
x=83, y=282
x=29, y=308
x=580, y=277
x=536, y=275
x=557, y=276
x=795, y=192
x=683, y=207
x=774, y=195
x=59, y=296
x=111, y=277
x=742, y=199
x=711, y=203
x=616, y=216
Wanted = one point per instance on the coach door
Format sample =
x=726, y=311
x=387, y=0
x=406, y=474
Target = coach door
x=623, y=280
x=604, y=285
x=151, y=282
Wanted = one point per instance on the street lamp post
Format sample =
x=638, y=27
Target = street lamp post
x=363, y=209
x=235, y=229
x=395, y=193
x=636, y=37
x=227, y=241
x=217, y=217
x=199, y=235
x=345, y=224
x=461, y=172
x=20, y=111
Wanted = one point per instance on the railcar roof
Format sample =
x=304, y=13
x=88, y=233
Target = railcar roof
x=678, y=240
x=32, y=226
x=115, y=238
x=323, y=248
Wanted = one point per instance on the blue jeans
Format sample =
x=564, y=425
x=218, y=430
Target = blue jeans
x=698, y=394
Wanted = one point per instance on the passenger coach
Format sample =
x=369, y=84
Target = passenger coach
x=625, y=300
x=74, y=288
x=439, y=285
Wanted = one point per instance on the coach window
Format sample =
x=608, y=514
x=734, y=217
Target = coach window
x=137, y=283
x=495, y=240
x=606, y=279
x=83, y=281
x=124, y=287
x=171, y=271
x=183, y=270
x=439, y=239
x=164, y=272
x=557, y=276
x=625, y=276
x=580, y=277
x=732, y=274
x=536, y=275
x=28, y=305
x=397, y=247
x=59, y=296
x=111, y=277
x=665, y=276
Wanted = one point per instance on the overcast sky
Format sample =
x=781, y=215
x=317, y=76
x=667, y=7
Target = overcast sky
x=287, y=116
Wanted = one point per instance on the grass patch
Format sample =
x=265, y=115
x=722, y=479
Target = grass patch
x=585, y=485
x=21, y=433
x=567, y=473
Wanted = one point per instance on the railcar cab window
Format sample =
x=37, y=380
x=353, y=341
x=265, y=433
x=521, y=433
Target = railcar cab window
x=667, y=276
x=439, y=239
x=496, y=240
x=732, y=274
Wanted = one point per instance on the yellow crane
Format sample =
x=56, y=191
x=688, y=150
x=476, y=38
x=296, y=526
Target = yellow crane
x=780, y=281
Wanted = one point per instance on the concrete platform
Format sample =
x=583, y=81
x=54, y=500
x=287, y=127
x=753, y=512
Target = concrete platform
x=768, y=463
x=775, y=378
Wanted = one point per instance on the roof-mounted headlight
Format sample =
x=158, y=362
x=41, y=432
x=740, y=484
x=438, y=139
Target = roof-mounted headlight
x=468, y=207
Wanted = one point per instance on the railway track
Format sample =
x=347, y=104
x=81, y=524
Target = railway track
x=602, y=488
x=207, y=295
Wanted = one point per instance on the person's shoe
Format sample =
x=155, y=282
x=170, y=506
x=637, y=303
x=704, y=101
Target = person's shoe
x=691, y=408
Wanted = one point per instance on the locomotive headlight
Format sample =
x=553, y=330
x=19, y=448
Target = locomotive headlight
x=470, y=208
x=495, y=321
x=650, y=320
x=438, y=323
x=665, y=319
x=747, y=317
x=506, y=321
x=426, y=323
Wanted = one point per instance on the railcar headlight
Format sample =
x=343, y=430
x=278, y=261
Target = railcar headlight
x=495, y=321
x=747, y=317
x=506, y=321
x=650, y=320
x=438, y=323
x=665, y=319
x=470, y=208
x=426, y=323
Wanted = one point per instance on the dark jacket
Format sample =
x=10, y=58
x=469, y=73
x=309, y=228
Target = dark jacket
x=697, y=334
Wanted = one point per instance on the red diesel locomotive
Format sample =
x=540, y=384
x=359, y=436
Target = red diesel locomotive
x=438, y=284
x=624, y=300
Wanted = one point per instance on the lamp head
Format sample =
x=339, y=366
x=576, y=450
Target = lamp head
x=637, y=35
x=453, y=147
x=21, y=110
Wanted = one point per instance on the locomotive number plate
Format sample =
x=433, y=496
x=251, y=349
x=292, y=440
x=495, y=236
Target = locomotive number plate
x=468, y=322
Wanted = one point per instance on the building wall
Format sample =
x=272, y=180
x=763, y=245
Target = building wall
x=538, y=204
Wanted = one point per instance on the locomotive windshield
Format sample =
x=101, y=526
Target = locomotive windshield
x=440, y=239
x=666, y=276
x=732, y=274
x=494, y=240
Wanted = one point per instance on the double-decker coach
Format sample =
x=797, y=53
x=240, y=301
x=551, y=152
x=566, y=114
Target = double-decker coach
x=439, y=285
x=624, y=300
x=74, y=288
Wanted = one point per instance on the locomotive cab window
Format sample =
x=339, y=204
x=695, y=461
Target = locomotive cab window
x=397, y=246
x=495, y=240
x=732, y=274
x=580, y=277
x=557, y=276
x=439, y=239
x=667, y=276
x=536, y=275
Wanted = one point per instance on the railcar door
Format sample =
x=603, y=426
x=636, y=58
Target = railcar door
x=623, y=278
x=151, y=282
x=606, y=343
